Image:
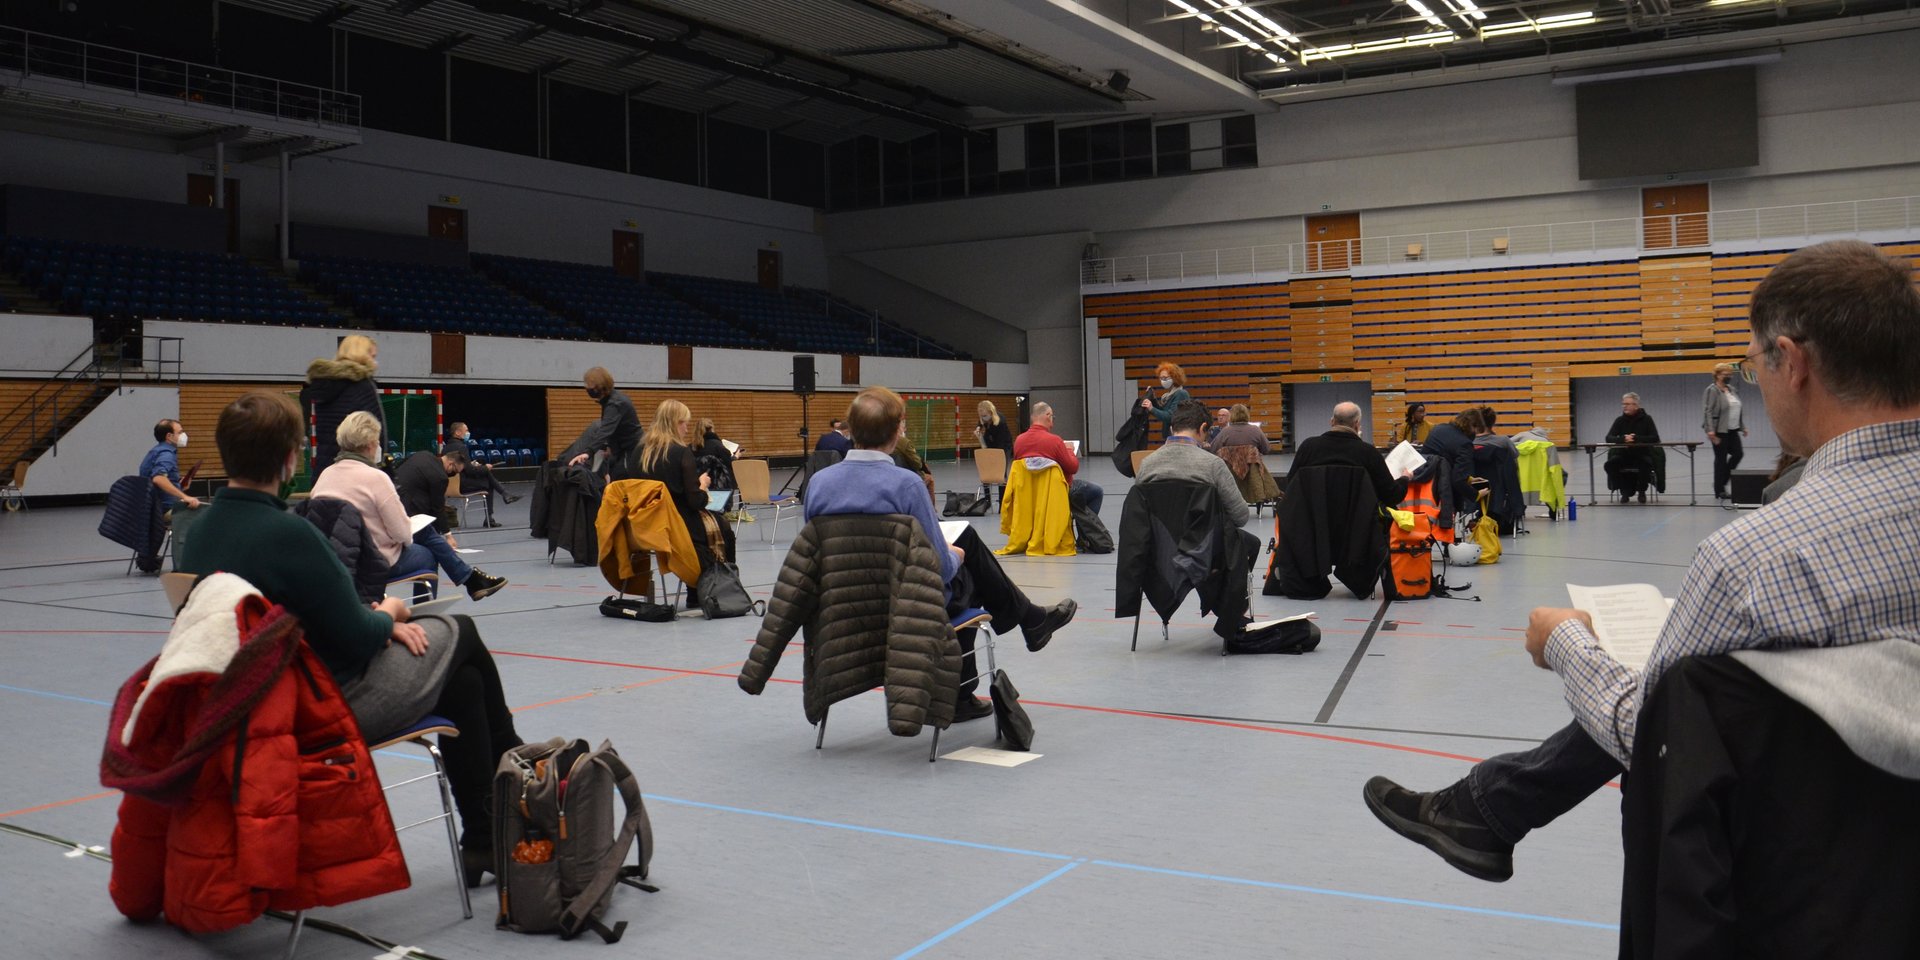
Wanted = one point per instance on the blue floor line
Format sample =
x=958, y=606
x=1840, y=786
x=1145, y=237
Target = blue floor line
x=1241, y=881
x=1373, y=897
x=857, y=828
x=57, y=696
x=982, y=915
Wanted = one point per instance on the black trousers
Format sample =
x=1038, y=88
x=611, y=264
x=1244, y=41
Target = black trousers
x=980, y=582
x=1726, y=458
x=476, y=703
x=1516, y=792
x=476, y=476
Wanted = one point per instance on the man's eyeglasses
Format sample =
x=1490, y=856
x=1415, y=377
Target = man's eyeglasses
x=1749, y=369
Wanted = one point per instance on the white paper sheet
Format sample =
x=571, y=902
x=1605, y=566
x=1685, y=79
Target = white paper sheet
x=988, y=755
x=952, y=529
x=419, y=522
x=733, y=449
x=1073, y=446
x=466, y=550
x=1626, y=617
x=1263, y=624
x=1404, y=459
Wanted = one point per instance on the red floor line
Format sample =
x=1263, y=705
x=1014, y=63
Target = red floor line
x=59, y=803
x=104, y=633
x=629, y=666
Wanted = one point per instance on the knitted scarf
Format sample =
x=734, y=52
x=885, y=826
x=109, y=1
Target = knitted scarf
x=268, y=644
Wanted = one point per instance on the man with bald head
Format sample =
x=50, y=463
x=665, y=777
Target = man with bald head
x=1343, y=445
x=1039, y=441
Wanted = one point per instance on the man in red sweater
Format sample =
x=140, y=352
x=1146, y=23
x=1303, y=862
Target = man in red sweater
x=1039, y=441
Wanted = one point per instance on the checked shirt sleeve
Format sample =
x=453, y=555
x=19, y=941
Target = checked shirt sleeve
x=1711, y=616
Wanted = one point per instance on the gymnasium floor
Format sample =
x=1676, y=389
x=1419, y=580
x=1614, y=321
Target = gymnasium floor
x=1181, y=804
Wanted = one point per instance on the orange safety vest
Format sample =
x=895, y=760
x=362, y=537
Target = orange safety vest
x=1420, y=499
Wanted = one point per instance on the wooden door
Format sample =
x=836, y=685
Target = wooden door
x=447, y=223
x=1674, y=216
x=627, y=254
x=1333, y=241
x=770, y=269
x=200, y=194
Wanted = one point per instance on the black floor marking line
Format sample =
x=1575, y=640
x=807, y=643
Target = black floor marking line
x=1390, y=626
x=110, y=613
x=1641, y=563
x=1353, y=663
x=1346, y=726
x=63, y=563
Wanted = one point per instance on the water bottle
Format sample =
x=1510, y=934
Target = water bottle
x=1573, y=509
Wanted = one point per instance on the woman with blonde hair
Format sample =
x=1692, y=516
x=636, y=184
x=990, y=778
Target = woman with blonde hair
x=338, y=387
x=1173, y=384
x=1724, y=421
x=992, y=431
x=664, y=455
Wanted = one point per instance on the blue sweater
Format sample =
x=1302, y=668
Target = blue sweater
x=868, y=482
x=162, y=461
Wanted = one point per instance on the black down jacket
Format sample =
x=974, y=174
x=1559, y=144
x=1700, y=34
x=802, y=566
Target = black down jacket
x=866, y=593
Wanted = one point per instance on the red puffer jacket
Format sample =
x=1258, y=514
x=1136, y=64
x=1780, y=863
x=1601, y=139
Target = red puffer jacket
x=247, y=784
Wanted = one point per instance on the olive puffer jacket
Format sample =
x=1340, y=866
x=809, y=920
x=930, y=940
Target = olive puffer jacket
x=866, y=593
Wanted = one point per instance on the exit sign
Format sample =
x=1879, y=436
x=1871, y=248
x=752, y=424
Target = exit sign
x=449, y=199
x=1326, y=378
x=1626, y=371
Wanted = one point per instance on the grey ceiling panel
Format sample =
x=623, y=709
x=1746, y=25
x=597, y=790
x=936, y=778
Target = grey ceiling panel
x=984, y=79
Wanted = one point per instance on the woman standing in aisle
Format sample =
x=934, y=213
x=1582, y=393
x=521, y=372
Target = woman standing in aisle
x=1725, y=423
x=1173, y=386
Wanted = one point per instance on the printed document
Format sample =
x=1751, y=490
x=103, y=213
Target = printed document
x=1404, y=459
x=1626, y=617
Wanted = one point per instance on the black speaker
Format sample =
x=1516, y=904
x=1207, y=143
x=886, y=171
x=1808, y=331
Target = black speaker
x=803, y=374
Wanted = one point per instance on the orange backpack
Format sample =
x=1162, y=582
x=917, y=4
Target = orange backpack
x=1409, y=572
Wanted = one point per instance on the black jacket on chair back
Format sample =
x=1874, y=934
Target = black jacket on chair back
x=1329, y=523
x=1175, y=538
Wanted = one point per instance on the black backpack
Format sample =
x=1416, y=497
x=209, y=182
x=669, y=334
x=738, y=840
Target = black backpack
x=1286, y=636
x=966, y=505
x=622, y=608
x=1090, y=535
x=722, y=595
x=1009, y=717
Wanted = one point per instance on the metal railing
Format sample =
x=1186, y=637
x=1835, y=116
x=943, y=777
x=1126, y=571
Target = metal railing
x=1678, y=232
x=30, y=54
x=42, y=416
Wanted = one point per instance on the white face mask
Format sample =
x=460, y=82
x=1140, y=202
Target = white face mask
x=1166, y=383
x=180, y=439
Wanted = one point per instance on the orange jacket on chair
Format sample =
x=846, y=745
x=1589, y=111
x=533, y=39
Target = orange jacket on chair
x=248, y=786
x=637, y=521
x=1034, y=513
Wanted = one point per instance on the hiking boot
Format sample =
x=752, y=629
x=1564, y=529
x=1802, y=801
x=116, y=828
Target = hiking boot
x=1057, y=616
x=972, y=708
x=1445, y=823
x=481, y=584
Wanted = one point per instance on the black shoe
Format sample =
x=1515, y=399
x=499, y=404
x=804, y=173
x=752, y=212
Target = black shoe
x=491, y=522
x=475, y=864
x=1643, y=496
x=1057, y=616
x=1626, y=498
x=513, y=498
x=972, y=708
x=1431, y=820
x=481, y=585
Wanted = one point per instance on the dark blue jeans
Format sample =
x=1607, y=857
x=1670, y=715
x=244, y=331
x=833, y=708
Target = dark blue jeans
x=429, y=549
x=1086, y=493
x=1516, y=792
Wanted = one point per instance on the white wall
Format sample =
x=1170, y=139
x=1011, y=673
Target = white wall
x=37, y=345
x=109, y=443
x=1312, y=407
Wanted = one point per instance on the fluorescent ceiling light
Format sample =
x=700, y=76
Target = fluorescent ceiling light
x=1376, y=46
x=1426, y=14
x=1554, y=22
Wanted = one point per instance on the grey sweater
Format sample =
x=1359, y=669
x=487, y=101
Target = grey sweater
x=1179, y=460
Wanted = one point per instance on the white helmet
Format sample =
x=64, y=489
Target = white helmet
x=1464, y=554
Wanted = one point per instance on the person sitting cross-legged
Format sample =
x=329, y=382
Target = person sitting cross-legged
x=394, y=669
x=868, y=482
x=1835, y=328
x=355, y=479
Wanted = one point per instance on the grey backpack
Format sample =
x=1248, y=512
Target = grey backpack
x=722, y=595
x=558, y=848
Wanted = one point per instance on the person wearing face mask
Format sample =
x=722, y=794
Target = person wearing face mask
x=338, y=387
x=1721, y=418
x=392, y=668
x=161, y=465
x=1629, y=470
x=609, y=441
x=1173, y=390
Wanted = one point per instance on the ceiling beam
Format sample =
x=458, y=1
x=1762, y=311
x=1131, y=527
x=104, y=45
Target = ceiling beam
x=524, y=34
x=563, y=22
x=202, y=141
x=334, y=14
x=951, y=43
x=448, y=42
x=407, y=7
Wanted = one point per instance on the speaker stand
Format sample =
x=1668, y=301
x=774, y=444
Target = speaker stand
x=806, y=452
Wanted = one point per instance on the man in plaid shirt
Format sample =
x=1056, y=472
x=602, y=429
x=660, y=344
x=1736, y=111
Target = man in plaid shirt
x=1836, y=332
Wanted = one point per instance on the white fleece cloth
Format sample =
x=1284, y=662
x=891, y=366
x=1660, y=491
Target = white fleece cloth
x=204, y=638
x=1865, y=691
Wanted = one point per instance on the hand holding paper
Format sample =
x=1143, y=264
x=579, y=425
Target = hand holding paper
x=1627, y=619
x=1403, y=459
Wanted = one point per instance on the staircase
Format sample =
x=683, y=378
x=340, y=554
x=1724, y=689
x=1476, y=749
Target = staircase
x=348, y=318
x=36, y=424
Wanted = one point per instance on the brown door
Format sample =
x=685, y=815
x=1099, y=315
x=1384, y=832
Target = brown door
x=447, y=223
x=1674, y=216
x=770, y=269
x=200, y=194
x=1333, y=241
x=627, y=246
